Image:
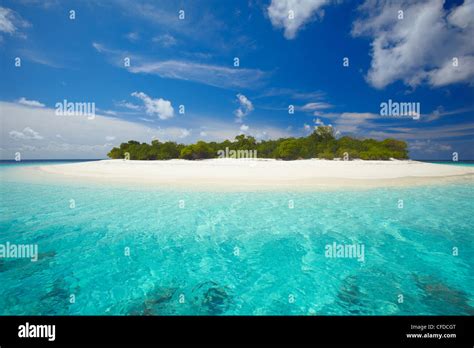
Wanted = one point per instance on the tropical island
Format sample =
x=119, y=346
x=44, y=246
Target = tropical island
x=322, y=144
x=297, y=163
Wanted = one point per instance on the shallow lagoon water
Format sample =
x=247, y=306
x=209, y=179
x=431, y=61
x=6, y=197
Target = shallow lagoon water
x=236, y=253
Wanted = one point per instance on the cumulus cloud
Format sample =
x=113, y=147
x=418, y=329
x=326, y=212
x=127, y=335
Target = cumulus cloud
x=160, y=107
x=291, y=15
x=421, y=47
x=32, y=103
x=244, y=109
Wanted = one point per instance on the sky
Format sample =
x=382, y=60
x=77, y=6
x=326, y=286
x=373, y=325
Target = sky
x=210, y=70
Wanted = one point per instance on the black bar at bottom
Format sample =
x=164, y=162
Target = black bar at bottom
x=417, y=330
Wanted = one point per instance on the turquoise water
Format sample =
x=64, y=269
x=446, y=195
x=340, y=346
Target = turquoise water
x=238, y=253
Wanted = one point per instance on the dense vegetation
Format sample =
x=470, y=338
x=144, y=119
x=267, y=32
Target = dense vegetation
x=320, y=144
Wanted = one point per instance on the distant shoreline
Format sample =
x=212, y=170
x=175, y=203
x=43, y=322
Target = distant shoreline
x=447, y=161
x=256, y=174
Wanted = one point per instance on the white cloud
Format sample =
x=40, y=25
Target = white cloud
x=417, y=134
x=220, y=130
x=203, y=25
x=295, y=94
x=165, y=40
x=244, y=128
x=462, y=16
x=147, y=119
x=6, y=21
x=447, y=74
x=214, y=75
x=208, y=74
x=128, y=105
x=159, y=106
x=133, y=36
x=429, y=147
x=32, y=103
x=34, y=132
x=27, y=134
x=244, y=109
x=352, y=122
x=451, y=133
x=263, y=135
x=303, y=11
x=40, y=57
x=318, y=122
x=316, y=106
x=184, y=133
x=99, y=47
x=83, y=138
x=107, y=112
x=420, y=47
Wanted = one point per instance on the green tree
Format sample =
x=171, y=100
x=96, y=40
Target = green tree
x=187, y=152
x=321, y=143
x=288, y=149
x=326, y=155
x=115, y=153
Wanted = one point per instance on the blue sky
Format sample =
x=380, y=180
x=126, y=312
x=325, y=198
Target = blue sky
x=282, y=61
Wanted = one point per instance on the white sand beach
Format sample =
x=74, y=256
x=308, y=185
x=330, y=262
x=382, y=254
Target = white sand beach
x=259, y=173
